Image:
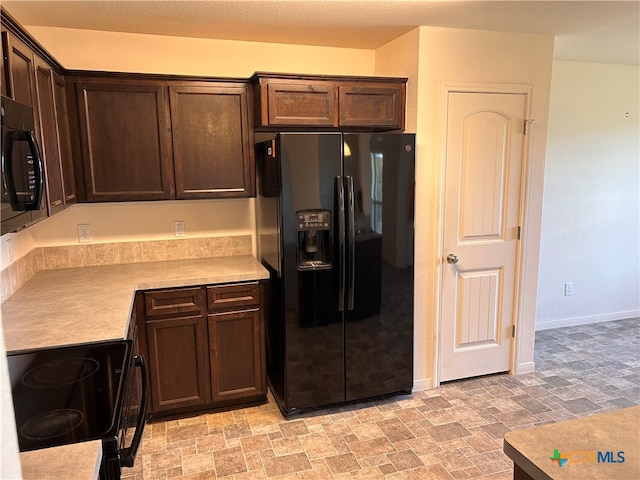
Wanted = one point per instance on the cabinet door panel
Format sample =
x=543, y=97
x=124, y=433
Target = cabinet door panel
x=211, y=147
x=236, y=354
x=50, y=148
x=301, y=103
x=372, y=105
x=124, y=134
x=21, y=68
x=178, y=363
x=64, y=141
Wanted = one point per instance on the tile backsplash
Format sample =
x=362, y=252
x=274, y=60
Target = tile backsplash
x=90, y=255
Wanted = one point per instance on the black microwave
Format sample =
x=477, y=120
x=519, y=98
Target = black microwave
x=22, y=169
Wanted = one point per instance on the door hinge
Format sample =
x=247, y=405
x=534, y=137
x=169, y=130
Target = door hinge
x=519, y=231
x=513, y=331
x=527, y=122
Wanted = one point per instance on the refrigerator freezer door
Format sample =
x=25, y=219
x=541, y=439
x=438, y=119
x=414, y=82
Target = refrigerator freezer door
x=313, y=324
x=379, y=322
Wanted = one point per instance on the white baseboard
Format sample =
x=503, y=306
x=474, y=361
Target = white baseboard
x=527, y=367
x=571, y=322
x=423, y=384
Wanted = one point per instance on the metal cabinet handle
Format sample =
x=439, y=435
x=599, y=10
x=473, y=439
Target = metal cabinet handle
x=452, y=258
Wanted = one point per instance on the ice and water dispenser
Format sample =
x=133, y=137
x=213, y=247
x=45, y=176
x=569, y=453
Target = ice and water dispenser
x=314, y=239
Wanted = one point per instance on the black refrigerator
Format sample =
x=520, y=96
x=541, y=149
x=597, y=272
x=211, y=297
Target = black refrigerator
x=334, y=218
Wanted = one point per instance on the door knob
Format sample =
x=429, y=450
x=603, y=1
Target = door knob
x=452, y=258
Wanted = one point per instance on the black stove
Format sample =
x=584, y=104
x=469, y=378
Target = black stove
x=68, y=394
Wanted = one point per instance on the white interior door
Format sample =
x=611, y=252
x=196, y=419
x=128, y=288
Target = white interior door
x=485, y=138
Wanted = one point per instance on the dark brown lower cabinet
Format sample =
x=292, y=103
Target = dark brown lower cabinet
x=235, y=353
x=205, y=348
x=178, y=363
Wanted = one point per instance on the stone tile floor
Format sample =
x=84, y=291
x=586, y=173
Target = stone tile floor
x=451, y=432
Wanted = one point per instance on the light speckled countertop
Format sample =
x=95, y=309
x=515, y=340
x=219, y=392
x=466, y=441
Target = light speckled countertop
x=77, y=305
x=579, y=441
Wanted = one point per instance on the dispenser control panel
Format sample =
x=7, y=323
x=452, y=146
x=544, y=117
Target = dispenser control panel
x=313, y=220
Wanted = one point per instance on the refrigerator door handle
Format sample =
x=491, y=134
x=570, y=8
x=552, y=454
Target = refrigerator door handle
x=351, y=247
x=341, y=243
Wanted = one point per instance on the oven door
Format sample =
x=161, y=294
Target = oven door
x=71, y=394
x=120, y=449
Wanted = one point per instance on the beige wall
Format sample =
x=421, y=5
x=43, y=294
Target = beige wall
x=431, y=57
x=427, y=56
x=128, y=52
x=591, y=228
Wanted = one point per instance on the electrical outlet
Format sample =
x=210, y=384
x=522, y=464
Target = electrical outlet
x=568, y=289
x=179, y=228
x=84, y=233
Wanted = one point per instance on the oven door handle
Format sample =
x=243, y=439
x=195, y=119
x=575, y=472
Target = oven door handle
x=128, y=455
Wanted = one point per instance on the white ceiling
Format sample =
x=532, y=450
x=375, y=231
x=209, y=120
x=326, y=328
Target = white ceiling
x=590, y=31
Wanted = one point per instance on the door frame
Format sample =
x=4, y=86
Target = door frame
x=497, y=88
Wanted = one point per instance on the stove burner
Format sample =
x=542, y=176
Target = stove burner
x=52, y=424
x=60, y=372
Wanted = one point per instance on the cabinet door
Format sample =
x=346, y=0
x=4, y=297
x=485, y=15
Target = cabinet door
x=64, y=141
x=212, y=150
x=50, y=148
x=21, y=71
x=124, y=131
x=178, y=363
x=236, y=355
x=372, y=105
x=298, y=102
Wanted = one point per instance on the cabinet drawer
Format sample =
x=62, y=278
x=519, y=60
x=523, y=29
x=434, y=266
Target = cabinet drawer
x=171, y=302
x=233, y=297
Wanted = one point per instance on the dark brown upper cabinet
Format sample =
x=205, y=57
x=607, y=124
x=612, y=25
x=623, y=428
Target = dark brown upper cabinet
x=144, y=138
x=212, y=151
x=31, y=79
x=19, y=69
x=64, y=140
x=125, y=142
x=376, y=105
x=307, y=101
x=50, y=145
x=292, y=102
